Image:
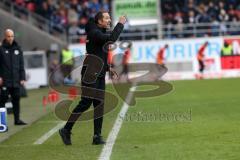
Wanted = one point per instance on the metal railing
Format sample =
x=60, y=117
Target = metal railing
x=171, y=31
x=201, y=30
x=32, y=18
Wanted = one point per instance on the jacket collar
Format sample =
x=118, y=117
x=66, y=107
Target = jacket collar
x=7, y=45
x=104, y=30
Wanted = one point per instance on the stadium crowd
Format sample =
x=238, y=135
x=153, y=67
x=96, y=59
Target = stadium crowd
x=181, y=18
x=183, y=15
x=65, y=15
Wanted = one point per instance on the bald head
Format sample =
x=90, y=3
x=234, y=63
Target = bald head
x=9, y=36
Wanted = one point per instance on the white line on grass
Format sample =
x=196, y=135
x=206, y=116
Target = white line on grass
x=42, y=139
x=107, y=149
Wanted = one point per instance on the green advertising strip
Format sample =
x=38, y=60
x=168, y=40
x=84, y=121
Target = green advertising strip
x=136, y=8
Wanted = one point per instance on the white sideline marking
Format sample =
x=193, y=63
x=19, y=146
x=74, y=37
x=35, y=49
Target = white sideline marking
x=107, y=149
x=47, y=135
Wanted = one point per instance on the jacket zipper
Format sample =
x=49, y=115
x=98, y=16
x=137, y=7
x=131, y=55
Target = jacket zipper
x=11, y=59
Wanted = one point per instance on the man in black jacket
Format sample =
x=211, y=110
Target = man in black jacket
x=93, y=74
x=12, y=73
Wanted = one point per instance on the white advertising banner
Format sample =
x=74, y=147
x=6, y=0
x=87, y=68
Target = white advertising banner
x=181, y=56
x=36, y=69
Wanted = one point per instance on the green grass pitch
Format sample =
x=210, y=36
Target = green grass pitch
x=197, y=120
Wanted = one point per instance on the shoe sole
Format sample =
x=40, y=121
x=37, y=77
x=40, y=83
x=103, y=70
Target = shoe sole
x=20, y=124
x=98, y=143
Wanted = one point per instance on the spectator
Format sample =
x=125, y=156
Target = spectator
x=212, y=10
x=74, y=29
x=95, y=5
x=20, y=3
x=189, y=12
x=190, y=7
x=78, y=29
x=234, y=26
x=105, y=5
x=190, y=21
x=59, y=21
x=215, y=26
x=231, y=12
x=44, y=10
x=65, y=14
x=202, y=16
x=179, y=27
x=72, y=16
x=31, y=6
x=216, y=14
x=74, y=4
x=223, y=18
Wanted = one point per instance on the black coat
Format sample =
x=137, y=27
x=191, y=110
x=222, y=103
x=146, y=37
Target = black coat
x=11, y=64
x=96, y=39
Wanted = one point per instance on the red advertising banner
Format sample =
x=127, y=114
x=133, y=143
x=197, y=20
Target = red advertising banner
x=231, y=61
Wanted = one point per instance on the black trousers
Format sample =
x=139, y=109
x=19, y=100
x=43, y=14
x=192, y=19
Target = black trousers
x=15, y=97
x=93, y=93
x=125, y=69
x=201, y=66
x=66, y=70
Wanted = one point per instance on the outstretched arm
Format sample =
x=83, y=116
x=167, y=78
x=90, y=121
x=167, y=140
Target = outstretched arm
x=102, y=38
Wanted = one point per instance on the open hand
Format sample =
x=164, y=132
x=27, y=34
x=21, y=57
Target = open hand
x=22, y=82
x=122, y=19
